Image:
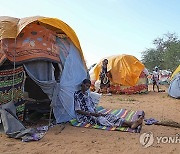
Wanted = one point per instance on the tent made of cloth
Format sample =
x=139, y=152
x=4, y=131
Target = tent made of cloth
x=12, y=28
x=174, y=87
x=48, y=52
x=129, y=75
x=125, y=69
x=175, y=72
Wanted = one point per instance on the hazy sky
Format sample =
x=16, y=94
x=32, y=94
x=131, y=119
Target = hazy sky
x=106, y=27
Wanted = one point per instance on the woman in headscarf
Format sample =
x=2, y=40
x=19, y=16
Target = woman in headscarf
x=105, y=76
x=86, y=111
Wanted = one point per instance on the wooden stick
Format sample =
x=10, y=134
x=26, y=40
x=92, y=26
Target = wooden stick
x=168, y=123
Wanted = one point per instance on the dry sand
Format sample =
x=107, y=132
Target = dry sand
x=73, y=140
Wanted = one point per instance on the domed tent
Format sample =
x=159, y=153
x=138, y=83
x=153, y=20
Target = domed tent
x=127, y=74
x=174, y=87
x=42, y=56
x=175, y=72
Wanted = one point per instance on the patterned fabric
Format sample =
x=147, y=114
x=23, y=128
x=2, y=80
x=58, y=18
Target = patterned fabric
x=128, y=115
x=118, y=89
x=6, y=84
x=105, y=82
x=84, y=102
x=34, y=134
x=140, y=87
x=20, y=111
x=34, y=41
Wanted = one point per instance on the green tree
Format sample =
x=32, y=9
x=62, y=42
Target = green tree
x=150, y=58
x=172, y=56
x=166, y=53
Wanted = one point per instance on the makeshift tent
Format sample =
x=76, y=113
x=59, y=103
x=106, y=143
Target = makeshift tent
x=175, y=72
x=174, y=87
x=128, y=75
x=164, y=77
x=42, y=56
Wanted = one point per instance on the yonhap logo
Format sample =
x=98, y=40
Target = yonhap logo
x=168, y=139
x=147, y=139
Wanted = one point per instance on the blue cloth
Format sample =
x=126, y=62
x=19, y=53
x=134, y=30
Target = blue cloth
x=60, y=93
x=150, y=121
x=72, y=76
x=174, y=87
x=42, y=73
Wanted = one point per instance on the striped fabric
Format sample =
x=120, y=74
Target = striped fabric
x=128, y=115
x=6, y=88
x=6, y=84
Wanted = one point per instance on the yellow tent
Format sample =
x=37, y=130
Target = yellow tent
x=175, y=72
x=125, y=69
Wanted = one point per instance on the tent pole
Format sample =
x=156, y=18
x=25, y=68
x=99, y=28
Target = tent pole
x=50, y=114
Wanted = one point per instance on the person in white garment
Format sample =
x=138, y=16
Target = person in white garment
x=155, y=78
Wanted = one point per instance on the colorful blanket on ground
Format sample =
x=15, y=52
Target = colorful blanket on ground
x=128, y=115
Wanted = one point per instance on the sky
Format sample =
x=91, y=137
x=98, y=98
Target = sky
x=106, y=27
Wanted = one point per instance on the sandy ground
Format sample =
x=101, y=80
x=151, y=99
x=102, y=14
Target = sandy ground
x=73, y=140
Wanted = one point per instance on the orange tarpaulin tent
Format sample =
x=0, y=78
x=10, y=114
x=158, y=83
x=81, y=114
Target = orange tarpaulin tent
x=125, y=69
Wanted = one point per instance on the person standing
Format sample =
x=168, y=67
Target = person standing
x=105, y=76
x=155, y=78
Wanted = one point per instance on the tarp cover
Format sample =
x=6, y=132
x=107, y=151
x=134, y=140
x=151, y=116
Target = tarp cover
x=125, y=69
x=175, y=72
x=11, y=27
x=60, y=93
x=174, y=87
x=68, y=53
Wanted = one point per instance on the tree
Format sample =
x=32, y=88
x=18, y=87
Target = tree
x=150, y=58
x=166, y=53
x=172, y=56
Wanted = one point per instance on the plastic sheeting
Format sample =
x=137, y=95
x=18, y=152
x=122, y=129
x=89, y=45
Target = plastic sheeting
x=10, y=121
x=175, y=72
x=73, y=74
x=61, y=94
x=125, y=69
x=42, y=73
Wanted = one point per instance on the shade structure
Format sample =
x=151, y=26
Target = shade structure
x=125, y=69
x=12, y=28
